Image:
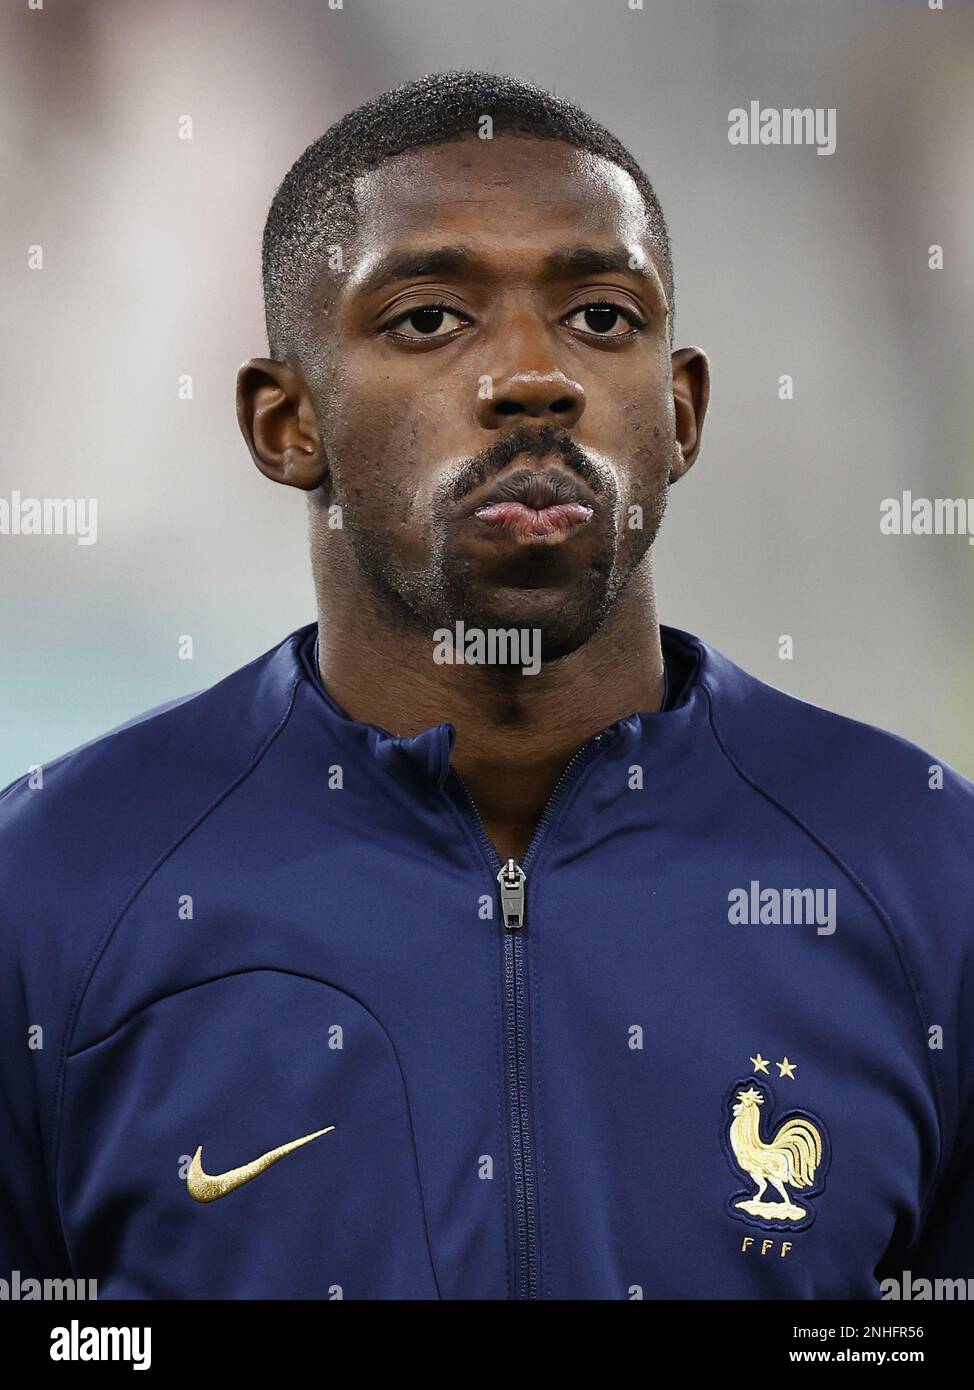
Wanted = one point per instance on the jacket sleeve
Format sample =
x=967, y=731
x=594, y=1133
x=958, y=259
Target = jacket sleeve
x=30, y=1239
x=945, y=1246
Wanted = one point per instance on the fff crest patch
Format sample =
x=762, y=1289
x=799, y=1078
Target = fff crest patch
x=783, y=1156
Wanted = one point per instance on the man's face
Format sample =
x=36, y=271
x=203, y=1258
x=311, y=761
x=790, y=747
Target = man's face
x=497, y=417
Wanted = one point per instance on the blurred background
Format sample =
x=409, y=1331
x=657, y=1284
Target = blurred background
x=787, y=262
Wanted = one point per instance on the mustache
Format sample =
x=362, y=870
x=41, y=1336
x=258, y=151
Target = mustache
x=529, y=442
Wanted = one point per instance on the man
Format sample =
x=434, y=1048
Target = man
x=485, y=940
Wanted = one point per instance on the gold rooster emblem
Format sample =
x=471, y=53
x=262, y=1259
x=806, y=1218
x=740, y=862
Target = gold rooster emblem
x=792, y=1158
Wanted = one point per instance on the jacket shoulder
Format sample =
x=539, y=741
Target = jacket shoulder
x=84, y=827
x=829, y=764
x=895, y=818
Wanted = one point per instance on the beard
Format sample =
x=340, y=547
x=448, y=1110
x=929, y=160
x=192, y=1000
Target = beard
x=566, y=604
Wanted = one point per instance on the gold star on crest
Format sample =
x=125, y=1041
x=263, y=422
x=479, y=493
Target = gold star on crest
x=759, y=1063
x=786, y=1068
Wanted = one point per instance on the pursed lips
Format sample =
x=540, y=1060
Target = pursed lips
x=529, y=504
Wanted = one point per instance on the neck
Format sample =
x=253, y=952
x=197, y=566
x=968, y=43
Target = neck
x=515, y=732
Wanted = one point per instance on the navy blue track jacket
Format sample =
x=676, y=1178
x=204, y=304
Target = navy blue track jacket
x=276, y=1022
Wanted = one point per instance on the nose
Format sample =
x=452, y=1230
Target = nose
x=533, y=387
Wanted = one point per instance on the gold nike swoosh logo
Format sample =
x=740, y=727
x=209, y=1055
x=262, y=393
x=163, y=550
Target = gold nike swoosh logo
x=207, y=1187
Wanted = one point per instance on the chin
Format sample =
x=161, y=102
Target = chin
x=563, y=622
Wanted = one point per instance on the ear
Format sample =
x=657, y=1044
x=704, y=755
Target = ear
x=691, y=394
x=277, y=420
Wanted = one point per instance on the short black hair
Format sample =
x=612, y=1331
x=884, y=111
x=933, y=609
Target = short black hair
x=314, y=207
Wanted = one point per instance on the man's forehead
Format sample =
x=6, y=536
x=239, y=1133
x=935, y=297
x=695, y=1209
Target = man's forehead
x=509, y=186
x=513, y=203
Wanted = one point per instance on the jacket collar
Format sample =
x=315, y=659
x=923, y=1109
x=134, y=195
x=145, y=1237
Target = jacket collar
x=427, y=755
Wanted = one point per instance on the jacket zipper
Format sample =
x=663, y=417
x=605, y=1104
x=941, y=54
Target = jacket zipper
x=512, y=878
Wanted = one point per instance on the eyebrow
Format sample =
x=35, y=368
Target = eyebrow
x=590, y=260
x=449, y=260
x=411, y=265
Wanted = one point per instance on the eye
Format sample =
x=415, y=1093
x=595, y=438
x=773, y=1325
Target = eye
x=602, y=318
x=426, y=321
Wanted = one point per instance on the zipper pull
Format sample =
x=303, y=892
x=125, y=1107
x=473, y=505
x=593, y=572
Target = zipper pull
x=511, y=879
